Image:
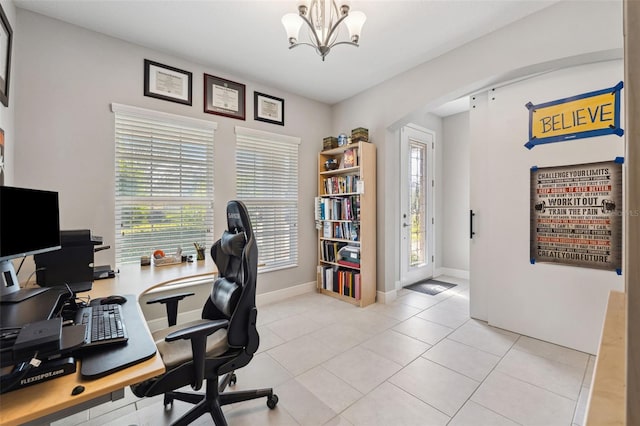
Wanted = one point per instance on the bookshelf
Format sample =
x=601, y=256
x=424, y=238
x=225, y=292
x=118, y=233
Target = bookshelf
x=346, y=222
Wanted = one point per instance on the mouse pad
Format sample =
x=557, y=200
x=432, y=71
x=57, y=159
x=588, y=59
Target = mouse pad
x=138, y=348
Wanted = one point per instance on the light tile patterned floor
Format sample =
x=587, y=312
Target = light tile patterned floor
x=417, y=361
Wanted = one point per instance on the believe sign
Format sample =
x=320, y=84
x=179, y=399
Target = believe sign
x=583, y=116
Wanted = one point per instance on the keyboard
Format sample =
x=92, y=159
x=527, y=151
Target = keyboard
x=104, y=325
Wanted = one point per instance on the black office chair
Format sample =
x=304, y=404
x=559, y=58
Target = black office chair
x=226, y=337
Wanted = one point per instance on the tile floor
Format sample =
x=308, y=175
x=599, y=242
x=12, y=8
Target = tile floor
x=417, y=361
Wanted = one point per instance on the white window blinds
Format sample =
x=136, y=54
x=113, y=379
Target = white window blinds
x=267, y=182
x=163, y=183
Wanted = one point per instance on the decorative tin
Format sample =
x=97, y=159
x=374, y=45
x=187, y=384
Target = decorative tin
x=360, y=134
x=329, y=142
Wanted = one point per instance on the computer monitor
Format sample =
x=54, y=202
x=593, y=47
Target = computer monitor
x=29, y=224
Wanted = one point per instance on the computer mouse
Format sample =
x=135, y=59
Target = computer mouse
x=113, y=299
x=77, y=390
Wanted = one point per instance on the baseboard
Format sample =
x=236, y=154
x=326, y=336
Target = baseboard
x=386, y=297
x=285, y=293
x=455, y=273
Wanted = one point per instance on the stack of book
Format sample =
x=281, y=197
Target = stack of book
x=341, y=253
x=342, y=281
x=342, y=208
x=343, y=230
x=340, y=184
x=330, y=250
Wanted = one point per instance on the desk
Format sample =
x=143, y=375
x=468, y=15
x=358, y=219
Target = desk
x=50, y=397
x=608, y=388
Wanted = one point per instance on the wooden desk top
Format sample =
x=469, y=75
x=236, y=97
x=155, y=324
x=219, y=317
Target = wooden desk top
x=46, y=398
x=608, y=389
x=136, y=279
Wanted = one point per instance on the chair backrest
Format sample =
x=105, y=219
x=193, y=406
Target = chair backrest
x=233, y=295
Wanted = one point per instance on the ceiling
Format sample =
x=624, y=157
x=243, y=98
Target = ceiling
x=246, y=40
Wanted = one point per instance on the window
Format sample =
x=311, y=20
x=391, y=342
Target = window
x=267, y=182
x=163, y=183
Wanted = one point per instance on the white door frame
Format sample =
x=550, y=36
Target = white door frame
x=409, y=275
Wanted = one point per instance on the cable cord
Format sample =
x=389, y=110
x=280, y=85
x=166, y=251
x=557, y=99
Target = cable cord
x=20, y=266
x=9, y=381
x=26, y=284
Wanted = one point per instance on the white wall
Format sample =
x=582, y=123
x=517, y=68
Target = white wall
x=71, y=75
x=556, y=303
x=67, y=77
x=455, y=192
x=561, y=35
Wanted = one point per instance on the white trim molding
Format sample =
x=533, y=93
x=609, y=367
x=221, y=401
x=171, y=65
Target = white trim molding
x=386, y=297
x=159, y=115
x=450, y=272
x=268, y=136
x=285, y=293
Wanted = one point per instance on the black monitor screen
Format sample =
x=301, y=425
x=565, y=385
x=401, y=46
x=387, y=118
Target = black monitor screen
x=29, y=222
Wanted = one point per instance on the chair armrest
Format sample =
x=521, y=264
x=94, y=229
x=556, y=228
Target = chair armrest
x=171, y=303
x=195, y=331
x=198, y=336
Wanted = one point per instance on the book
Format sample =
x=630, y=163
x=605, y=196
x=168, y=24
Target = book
x=326, y=231
x=349, y=158
x=328, y=278
x=319, y=214
x=349, y=264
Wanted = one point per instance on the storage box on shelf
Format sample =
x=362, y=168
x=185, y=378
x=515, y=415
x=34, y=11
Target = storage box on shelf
x=360, y=135
x=346, y=212
x=329, y=142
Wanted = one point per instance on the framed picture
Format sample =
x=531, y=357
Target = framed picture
x=1, y=157
x=167, y=83
x=224, y=97
x=6, y=37
x=268, y=108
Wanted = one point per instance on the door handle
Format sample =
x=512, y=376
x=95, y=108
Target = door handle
x=471, y=215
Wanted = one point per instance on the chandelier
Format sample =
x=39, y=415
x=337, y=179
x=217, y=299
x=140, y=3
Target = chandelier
x=323, y=17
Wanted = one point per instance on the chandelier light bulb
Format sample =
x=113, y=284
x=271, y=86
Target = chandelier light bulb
x=292, y=23
x=354, y=22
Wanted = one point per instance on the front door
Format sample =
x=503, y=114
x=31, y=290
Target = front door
x=416, y=214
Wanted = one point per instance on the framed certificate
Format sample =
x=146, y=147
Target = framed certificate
x=167, y=83
x=6, y=37
x=268, y=108
x=224, y=97
x=1, y=157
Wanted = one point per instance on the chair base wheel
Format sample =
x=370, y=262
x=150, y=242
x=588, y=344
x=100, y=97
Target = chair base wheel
x=168, y=400
x=272, y=401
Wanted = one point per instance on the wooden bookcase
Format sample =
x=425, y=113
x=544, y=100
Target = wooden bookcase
x=346, y=216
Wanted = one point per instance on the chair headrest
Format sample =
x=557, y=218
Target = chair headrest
x=232, y=244
x=238, y=218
